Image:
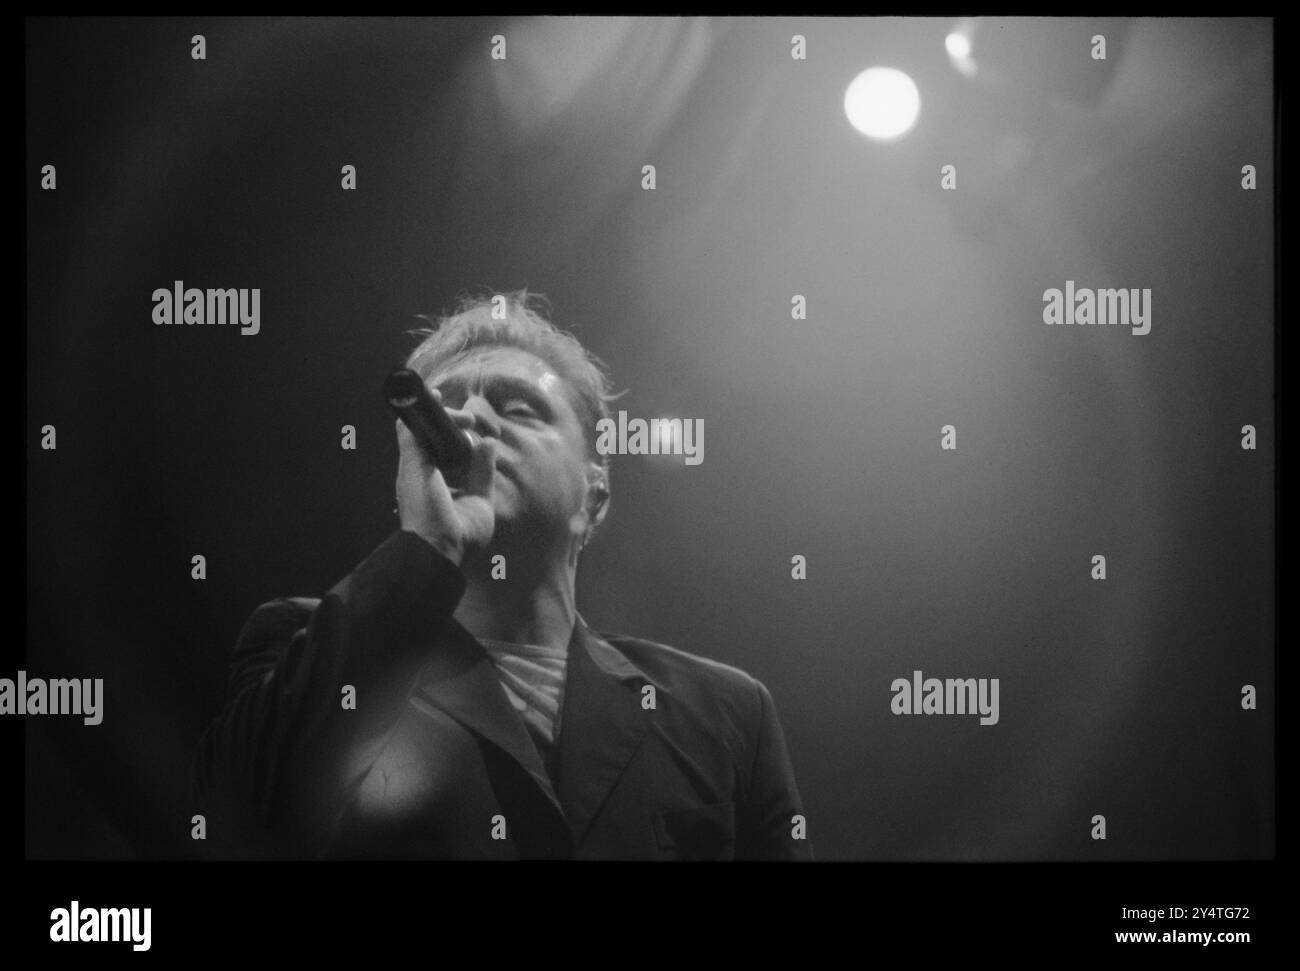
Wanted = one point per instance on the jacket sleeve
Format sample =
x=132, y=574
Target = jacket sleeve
x=766, y=825
x=284, y=755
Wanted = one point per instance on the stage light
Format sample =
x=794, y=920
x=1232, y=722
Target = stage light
x=882, y=103
x=958, y=46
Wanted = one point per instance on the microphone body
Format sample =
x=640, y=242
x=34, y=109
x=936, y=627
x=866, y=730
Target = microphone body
x=446, y=445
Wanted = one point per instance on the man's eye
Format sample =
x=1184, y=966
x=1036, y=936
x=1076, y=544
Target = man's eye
x=519, y=408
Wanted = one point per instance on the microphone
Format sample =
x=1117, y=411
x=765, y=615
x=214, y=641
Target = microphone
x=446, y=445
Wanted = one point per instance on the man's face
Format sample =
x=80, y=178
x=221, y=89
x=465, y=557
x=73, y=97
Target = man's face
x=542, y=466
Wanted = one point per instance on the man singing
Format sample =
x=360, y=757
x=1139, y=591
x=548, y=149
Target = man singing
x=446, y=699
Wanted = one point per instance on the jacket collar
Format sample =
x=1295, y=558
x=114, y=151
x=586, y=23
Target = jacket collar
x=602, y=722
x=461, y=680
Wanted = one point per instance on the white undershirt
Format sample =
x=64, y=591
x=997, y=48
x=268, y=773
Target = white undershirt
x=533, y=679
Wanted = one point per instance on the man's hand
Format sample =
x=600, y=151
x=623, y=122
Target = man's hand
x=456, y=522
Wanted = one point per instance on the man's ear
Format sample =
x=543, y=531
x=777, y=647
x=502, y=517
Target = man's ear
x=597, y=495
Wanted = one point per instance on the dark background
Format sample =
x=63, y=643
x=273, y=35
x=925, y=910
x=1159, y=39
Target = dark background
x=821, y=436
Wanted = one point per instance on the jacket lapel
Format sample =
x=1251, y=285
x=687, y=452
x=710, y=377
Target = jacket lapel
x=462, y=681
x=601, y=725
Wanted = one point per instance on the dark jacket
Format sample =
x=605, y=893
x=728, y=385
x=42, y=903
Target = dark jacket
x=434, y=763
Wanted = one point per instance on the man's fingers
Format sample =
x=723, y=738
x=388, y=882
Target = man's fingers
x=482, y=466
x=416, y=473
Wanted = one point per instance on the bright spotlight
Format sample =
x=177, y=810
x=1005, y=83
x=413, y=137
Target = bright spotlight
x=958, y=46
x=882, y=103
